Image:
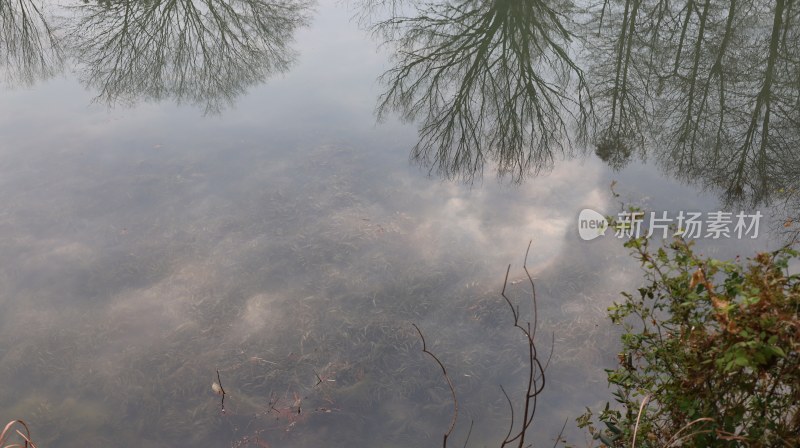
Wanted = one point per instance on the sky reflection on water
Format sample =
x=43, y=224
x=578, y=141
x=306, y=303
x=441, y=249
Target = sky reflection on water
x=286, y=240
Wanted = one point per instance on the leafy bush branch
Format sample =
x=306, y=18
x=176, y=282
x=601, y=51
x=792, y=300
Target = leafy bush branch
x=710, y=353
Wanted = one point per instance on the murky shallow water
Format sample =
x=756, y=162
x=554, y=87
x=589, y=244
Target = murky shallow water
x=288, y=244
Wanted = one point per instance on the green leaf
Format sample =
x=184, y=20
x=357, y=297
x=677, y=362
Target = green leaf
x=778, y=351
x=613, y=428
x=741, y=361
x=608, y=441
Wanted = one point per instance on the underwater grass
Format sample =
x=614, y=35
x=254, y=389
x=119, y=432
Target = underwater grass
x=345, y=276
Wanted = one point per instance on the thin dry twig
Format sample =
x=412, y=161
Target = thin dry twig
x=511, y=407
x=536, y=377
x=675, y=437
x=638, y=417
x=26, y=437
x=560, y=435
x=469, y=433
x=222, y=390
x=449, y=383
x=533, y=290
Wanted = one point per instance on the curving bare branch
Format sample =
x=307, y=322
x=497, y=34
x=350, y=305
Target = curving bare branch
x=535, y=381
x=449, y=384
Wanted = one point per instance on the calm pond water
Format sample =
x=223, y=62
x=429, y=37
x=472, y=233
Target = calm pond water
x=193, y=189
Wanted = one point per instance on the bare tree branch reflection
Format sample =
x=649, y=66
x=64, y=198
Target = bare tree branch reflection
x=721, y=83
x=204, y=52
x=29, y=51
x=619, y=80
x=489, y=81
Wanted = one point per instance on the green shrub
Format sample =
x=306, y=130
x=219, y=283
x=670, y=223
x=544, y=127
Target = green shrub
x=710, y=353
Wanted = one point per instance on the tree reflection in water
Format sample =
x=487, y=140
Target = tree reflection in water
x=488, y=80
x=29, y=50
x=204, y=53
x=710, y=89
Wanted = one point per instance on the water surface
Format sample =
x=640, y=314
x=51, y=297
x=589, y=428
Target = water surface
x=185, y=193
